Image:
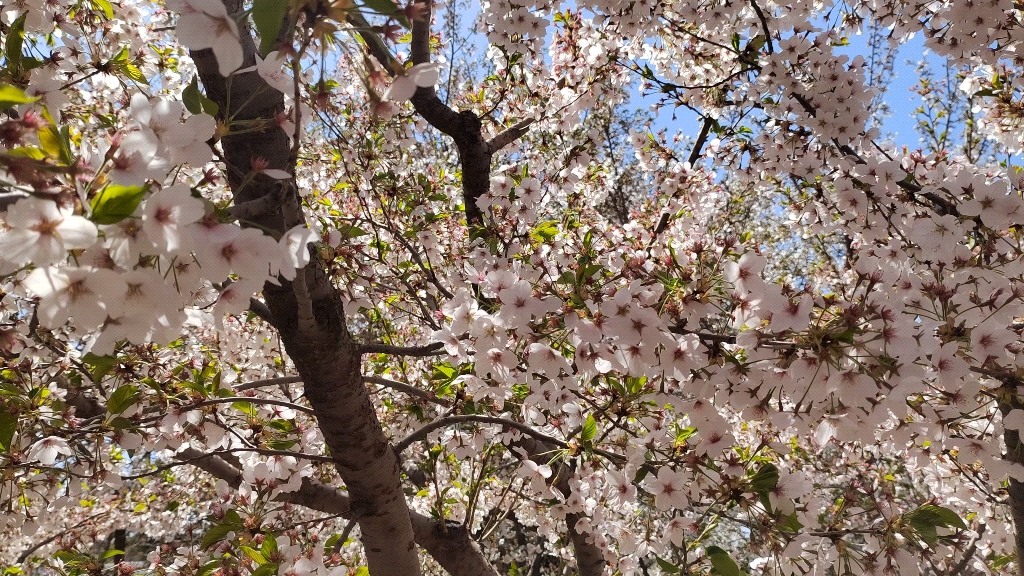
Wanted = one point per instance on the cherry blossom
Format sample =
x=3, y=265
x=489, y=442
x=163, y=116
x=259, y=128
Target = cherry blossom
x=47, y=450
x=207, y=24
x=42, y=232
x=166, y=216
x=655, y=288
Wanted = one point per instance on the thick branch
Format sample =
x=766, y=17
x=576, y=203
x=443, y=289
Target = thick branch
x=260, y=206
x=451, y=547
x=509, y=135
x=463, y=127
x=260, y=309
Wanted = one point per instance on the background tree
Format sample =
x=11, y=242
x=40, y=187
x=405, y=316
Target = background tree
x=285, y=293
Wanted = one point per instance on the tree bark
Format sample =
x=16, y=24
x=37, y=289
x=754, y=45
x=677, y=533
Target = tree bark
x=1014, y=453
x=325, y=355
x=451, y=546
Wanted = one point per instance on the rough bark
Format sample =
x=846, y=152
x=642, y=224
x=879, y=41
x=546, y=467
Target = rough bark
x=326, y=357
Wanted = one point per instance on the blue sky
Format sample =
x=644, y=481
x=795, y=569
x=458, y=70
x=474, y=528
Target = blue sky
x=900, y=97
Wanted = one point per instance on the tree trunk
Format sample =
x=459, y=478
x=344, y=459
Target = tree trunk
x=326, y=357
x=1014, y=453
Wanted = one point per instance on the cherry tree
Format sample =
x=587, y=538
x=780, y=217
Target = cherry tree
x=308, y=287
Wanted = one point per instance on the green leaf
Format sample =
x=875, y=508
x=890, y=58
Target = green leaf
x=790, y=523
x=208, y=568
x=101, y=365
x=111, y=554
x=362, y=571
x=266, y=570
x=926, y=519
x=132, y=71
x=115, y=203
x=766, y=479
x=269, y=546
x=12, y=48
x=27, y=152
x=589, y=428
x=268, y=15
x=245, y=407
x=1000, y=561
x=195, y=101
x=56, y=142
x=215, y=534
x=666, y=566
x=949, y=517
x=385, y=7
x=349, y=231
x=254, y=555
x=190, y=97
x=121, y=56
x=8, y=424
x=105, y=7
x=122, y=398
x=332, y=542
x=11, y=95
x=722, y=562
x=545, y=231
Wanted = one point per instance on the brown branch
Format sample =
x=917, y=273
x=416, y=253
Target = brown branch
x=434, y=349
x=410, y=390
x=589, y=558
x=961, y=566
x=463, y=127
x=268, y=382
x=451, y=547
x=509, y=135
x=450, y=420
x=260, y=309
x=270, y=401
x=764, y=25
x=28, y=552
x=325, y=355
x=259, y=206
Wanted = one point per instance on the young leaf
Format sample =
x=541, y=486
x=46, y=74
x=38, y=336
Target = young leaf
x=122, y=398
x=11, y=95
x=8, y=424
x=722, y=562
x=589, y=428
x=268, y=15
x=115, y=203
x=214, y=534
x=766, y=479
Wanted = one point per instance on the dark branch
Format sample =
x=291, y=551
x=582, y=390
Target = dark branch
x=268, y=382
x=410, y=390
x=260, y=309
x=509, y=135
x=450, y=420
x=415, y=351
